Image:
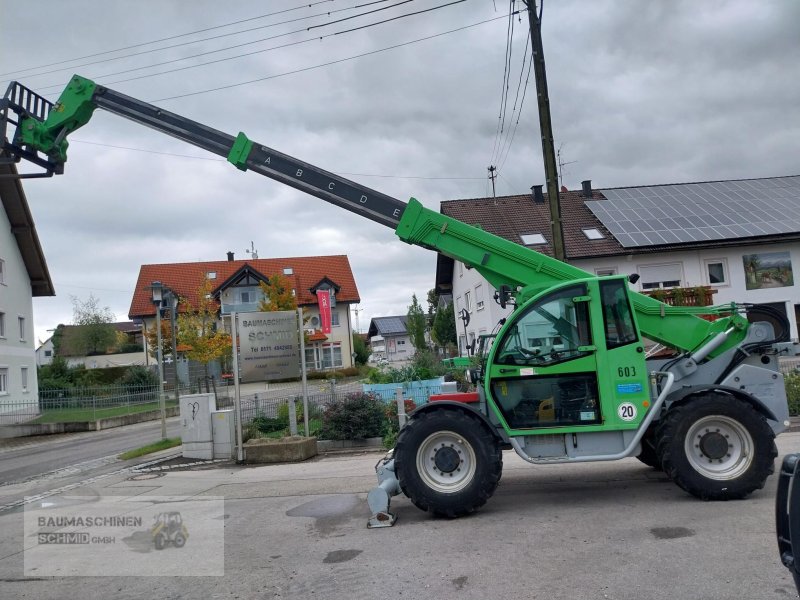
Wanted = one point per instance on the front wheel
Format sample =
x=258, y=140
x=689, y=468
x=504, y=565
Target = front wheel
x=448, y=462
x=716, y=447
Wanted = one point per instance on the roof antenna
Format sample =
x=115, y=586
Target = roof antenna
x=252, y=251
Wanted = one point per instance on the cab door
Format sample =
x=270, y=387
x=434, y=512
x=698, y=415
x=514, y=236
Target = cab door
x=553, y=368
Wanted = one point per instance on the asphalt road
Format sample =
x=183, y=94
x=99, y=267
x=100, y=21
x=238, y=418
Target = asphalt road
x=29, y=466
x=592, y=531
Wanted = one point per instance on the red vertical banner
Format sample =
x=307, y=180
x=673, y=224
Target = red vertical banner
x=324, y=300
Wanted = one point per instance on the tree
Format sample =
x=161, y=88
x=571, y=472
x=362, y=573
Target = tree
x=166, y=338
x=197, y=328
x=444, y=327
x=360, y=349
x=415, y=324
x=433, y=306
x=277, y=294
x=95, y=333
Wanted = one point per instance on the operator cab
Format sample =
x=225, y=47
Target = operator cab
x=570, y=356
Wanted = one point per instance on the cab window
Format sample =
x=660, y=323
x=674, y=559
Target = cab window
x=617, y=314
x=550, y=331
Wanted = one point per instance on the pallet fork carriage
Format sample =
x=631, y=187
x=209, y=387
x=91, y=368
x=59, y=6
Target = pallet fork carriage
x=566, y=378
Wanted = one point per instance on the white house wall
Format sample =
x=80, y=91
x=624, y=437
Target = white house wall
x=16, y=353
x=694, y=272
x=693, y=264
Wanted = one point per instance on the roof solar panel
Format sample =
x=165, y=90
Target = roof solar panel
x=706, y=211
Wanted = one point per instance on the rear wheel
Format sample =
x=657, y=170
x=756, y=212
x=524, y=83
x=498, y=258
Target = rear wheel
x=716, y=447
x=448, y=462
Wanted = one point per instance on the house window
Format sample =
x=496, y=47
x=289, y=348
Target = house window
x=21, y=328
x=532, y=239
x=334, y=319
x=211, y=274
x=24, y=378
x=2, y=325
x=48, y=353
x=593, y=234
x=460, y=268
x=468, y=301
x=605, y=272
x=479, y=296
x=462, y=343
x=458, y=305
x=717, y=271
x=247, y=296
x=3, y=380
x=655, y=277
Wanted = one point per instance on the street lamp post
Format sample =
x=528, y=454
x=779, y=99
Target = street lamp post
x=157, y=294
x=173, y=304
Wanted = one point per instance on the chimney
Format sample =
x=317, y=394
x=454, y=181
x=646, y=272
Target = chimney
x=230, y=256
x=587, y=188
x=538, y=197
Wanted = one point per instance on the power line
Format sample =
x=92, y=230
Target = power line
x=327, y=64
x=504, y=87
x=297, y=43
x=208, y=52
x=173, y=37
x=510, y=138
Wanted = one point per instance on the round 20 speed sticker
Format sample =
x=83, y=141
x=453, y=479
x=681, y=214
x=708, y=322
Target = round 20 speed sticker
x=627, y=411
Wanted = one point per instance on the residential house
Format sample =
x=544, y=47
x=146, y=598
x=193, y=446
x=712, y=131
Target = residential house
x=235, y=288
x=45, y=352
x=23, y=276
x=741, y=238
x=127, y=349
x=389, y=339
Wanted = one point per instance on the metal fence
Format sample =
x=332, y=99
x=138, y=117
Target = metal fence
x=81, y=404
x=266, y=413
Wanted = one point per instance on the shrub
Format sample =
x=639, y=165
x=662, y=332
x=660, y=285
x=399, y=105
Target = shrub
x=139, y=376
x=356, y=416
x=793, y=392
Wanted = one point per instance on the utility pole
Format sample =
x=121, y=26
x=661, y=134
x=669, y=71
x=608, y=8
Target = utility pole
x=546, y=128
x=492, y=176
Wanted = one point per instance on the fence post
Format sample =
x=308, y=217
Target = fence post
x=333, y=390
x=292, y=417
x=401, y=408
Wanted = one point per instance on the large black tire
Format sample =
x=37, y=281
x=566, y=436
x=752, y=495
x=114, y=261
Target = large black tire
x=448, y=462
x=716, y=447
x=648, y=455
x=179, y=540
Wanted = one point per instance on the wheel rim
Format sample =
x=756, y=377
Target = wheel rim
x=446, y=462
x=719, y=447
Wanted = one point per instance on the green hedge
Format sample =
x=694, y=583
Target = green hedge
x=793, y=393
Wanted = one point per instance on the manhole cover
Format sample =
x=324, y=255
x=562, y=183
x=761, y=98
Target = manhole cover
x=145, y=476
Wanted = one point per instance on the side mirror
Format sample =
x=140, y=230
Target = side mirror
x=503, y=295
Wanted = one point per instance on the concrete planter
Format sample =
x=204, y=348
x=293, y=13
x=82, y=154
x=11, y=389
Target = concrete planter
x=290, y=449
x=366, y=443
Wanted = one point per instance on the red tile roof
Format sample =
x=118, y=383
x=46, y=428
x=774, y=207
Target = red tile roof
x=511, y=216
x=186, y=278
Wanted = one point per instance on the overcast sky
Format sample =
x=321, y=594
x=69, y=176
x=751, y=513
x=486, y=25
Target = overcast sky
x=641, y=93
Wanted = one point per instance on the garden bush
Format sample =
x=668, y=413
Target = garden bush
x=356, y=416
x=793, y=392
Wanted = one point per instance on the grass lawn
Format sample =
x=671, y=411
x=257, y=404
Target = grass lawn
x=150, y=448
x=71, y=415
